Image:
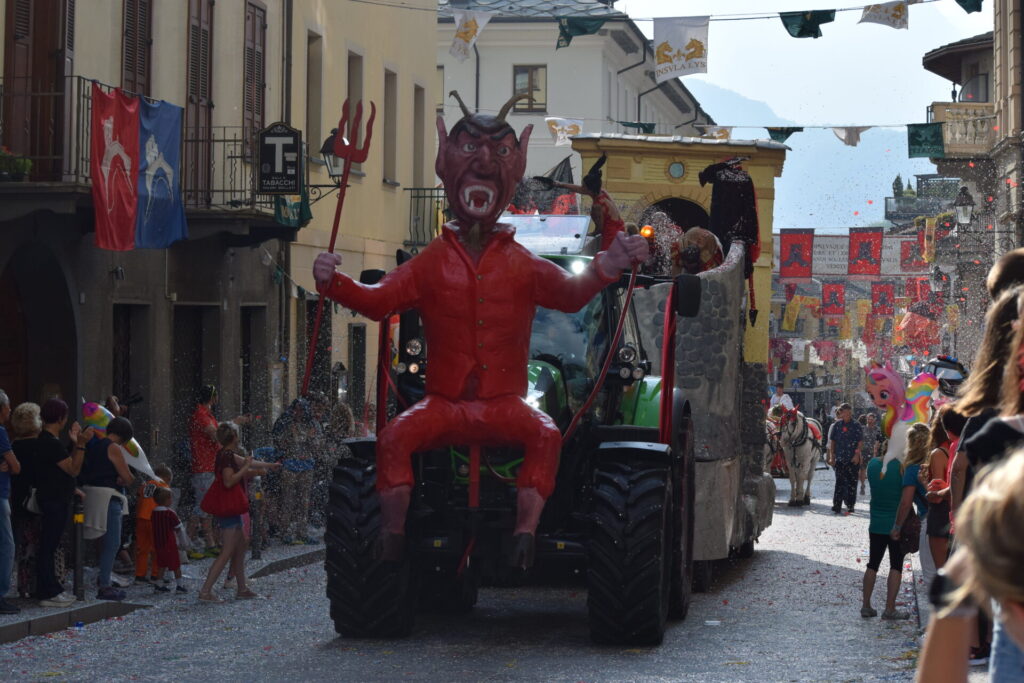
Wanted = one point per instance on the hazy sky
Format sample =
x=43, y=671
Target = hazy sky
x=855, y=74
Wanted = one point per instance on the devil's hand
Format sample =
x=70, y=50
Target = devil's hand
x=324, y=268
x=625, y=252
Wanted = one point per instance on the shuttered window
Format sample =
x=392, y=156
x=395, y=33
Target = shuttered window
x=254, y=76
x=138, y=37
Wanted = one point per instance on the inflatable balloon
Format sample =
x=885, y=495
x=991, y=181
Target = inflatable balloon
x=96, y=416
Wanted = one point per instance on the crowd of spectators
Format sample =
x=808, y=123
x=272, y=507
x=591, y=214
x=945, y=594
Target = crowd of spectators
x=47, y=460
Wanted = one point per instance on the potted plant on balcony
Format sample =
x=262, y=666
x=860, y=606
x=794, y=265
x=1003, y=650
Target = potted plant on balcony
x=22, y=167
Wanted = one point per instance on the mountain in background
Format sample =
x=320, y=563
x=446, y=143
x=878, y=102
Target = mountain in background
x=824, y=183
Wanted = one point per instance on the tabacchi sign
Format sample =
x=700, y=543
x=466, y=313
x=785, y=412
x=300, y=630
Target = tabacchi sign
x=280, y=160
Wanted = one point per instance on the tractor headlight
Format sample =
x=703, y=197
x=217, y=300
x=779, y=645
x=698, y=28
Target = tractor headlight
x=414, y=368
x=534, y=397
x=414, y=347
x=638, y=373
x=577, y=267
x=627, y=354
x=400, y=368
x=625, y=373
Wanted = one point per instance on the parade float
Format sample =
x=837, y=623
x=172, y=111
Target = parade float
x=644, y=380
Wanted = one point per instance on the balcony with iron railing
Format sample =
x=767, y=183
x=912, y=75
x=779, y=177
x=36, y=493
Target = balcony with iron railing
x=428, y=211
x=52, y=128
x=969, y=128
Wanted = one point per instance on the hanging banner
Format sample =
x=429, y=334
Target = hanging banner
x=562, y=130
x=928, y=250
x=682, y=47
x=863, y=309
x=911, y=257
x=796, y=250
x=919, y=289
x=882, y=296
x=717, y=132
x=806, y=24
x=813, y=306
x=570, y=27
x=844, y=328
x=865, y=251
x=782, y=134
x=953, y=315
x=892, y=14
x=833, y=298
x=114, y=167
x=160, y=216
x=468, y=25
x=792, y=313
x=850, y=135
x=897, y=331
x=790, y=290
x=925, y=140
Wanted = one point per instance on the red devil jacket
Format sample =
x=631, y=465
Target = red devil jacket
x=476, y=318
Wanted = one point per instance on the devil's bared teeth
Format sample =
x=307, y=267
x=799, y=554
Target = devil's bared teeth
x=469, y=190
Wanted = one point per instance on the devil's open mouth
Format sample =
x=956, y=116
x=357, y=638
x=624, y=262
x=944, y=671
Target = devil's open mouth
x=478, y=198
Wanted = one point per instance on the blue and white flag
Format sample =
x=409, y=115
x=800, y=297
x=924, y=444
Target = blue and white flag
x=160, y=216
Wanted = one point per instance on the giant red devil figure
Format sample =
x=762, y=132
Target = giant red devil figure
x=476, y=290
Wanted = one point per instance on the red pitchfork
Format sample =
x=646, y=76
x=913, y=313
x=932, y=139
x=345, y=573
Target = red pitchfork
x=344, y=148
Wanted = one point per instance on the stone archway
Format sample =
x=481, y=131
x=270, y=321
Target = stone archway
x=39, y=342
x=682, y=212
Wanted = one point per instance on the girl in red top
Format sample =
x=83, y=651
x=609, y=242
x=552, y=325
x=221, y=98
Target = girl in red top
x=234, y=470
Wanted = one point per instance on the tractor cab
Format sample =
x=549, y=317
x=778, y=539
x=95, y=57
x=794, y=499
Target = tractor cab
x=949, y=371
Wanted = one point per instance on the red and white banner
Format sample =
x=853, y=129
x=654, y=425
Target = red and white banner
x=833, y=298
x=882, y=298
x=796, y=253
x=918, y=289
x=865, y=254
x=114, y=167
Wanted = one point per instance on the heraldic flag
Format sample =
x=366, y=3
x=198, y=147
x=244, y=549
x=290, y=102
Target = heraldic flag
x=796, y=250
x=865, y=251
x=135, y=169
x=833, y=298
x=882, y=298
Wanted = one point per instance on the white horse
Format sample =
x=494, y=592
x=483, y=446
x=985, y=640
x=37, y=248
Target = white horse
x=801, y=440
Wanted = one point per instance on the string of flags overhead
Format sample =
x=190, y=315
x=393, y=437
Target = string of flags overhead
x=682, y=42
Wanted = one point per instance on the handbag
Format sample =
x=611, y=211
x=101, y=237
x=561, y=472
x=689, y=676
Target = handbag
x=910, y=534
x=32, y=503
x=221, y=501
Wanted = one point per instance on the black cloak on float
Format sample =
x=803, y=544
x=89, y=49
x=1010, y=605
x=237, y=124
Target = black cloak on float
x=532, y=196
x=733, y=207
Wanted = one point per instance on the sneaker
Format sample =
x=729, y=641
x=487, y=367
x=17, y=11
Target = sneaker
x=979, y=656
x=836, y=509
x=180, y=589
x=119, y=582
x=62, y=600
x=850, y=509
x=211, y=552
x=868, y=612
x=895, y=615
x=196, y=555
x=296, y=541
x=161, y=589
x=141, y=581
x=110, y=593
x=8, y=608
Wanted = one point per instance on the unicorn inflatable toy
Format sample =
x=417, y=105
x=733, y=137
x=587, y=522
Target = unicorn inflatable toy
x=901, y=407
x=96, y=416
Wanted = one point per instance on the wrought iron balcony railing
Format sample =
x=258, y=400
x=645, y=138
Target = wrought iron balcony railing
x=52, y=127
x=428, y=210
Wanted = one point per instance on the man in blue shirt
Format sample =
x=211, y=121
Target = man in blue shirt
x=845, y=438
x=8, y=466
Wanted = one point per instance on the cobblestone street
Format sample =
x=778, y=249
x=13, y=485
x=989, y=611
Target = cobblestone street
x=788, y=614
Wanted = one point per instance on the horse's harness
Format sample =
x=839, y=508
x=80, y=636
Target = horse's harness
x=802, y=438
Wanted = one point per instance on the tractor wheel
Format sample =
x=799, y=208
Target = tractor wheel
x=703, y=572
x=369, y=598
x=630, y=561
x=684, y=490
x=445, y=592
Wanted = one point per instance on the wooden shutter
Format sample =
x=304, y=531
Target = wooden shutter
x=254, y=68
x=198, y=105
x=138, y=37
x=68, y=40
x=16, y=125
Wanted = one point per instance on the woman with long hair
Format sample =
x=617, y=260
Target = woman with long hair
x=26, y=424
x=914, y=491
x=934, y=469
x=985, y=569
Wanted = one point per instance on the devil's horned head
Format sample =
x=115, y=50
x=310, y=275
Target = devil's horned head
x=480, y=161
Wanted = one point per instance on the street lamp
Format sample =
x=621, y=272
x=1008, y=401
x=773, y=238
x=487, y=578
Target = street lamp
x=964, y=207
x=333, y=163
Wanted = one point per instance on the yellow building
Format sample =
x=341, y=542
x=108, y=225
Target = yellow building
x=229, y=305
x=660, y=173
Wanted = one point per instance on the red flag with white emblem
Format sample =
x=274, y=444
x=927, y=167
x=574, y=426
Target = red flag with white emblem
x=114, y=167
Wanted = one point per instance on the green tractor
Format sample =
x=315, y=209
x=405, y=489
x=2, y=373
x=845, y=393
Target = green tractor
x=623, y=505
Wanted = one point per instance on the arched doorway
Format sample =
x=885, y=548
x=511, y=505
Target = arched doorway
x=682, y=212
x=38, y=341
